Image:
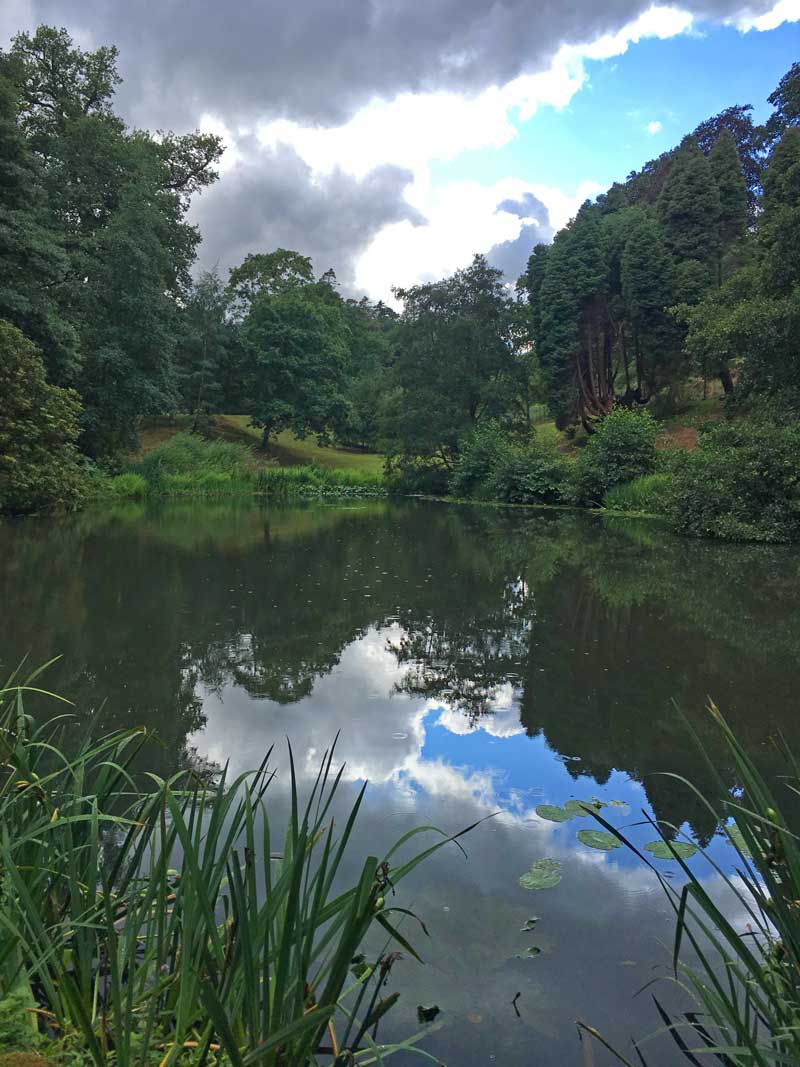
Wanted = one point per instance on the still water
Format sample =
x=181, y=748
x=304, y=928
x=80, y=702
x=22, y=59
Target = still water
x=473, y=661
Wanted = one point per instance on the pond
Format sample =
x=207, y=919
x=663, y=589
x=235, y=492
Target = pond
x=472, y=661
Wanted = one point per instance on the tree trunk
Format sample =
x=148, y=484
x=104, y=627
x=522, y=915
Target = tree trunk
x=726, y=379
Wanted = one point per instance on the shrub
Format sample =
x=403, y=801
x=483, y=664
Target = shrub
x=187, y=463
x=650, y=493
x=407, y=474
x=481, y=452
x=622, y=449
x=495, y=466
x=742, y=484
x=39, y=463
x=128, y=486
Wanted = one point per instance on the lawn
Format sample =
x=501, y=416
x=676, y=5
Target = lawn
x=286, y=449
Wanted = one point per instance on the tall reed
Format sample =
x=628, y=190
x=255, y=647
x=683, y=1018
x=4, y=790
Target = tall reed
x=153, y=920
x=740, y=977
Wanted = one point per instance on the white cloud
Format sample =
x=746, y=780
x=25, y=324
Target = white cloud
x=784, y=11
x=418, y=130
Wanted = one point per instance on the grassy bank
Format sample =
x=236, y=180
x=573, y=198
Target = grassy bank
x=187, y=465
x=148, y=922
x=285, y=449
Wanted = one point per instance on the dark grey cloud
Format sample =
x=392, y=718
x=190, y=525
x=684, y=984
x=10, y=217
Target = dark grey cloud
x=270, y=200
x=318, y=61
x=511, y=257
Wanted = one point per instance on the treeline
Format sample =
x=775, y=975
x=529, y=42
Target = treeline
x=686, y=273
x=689, y=268
x=101, y=320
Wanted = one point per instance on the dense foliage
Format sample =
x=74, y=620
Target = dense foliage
x=39, y=463
x=687, y=273
x=742, y=484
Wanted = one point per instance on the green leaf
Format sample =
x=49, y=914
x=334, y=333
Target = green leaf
x=598, y=839
x=528, y=954
x=577, y=808
x=544, y=874
x=529, y=924
x=736, y=838
x=660, y=850
x=553, y=813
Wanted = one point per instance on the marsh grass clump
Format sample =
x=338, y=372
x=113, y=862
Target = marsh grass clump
x=739, y=976
x=149, y=921
x=649, y=494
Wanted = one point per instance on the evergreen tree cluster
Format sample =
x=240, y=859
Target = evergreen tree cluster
x=689, y=268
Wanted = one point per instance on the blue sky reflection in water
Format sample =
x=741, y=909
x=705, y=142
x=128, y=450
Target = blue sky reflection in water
x=473, y=661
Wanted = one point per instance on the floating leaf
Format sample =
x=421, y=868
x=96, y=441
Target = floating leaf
x=544, y=874
x=576, y=808
x=598, y=839
x=529, y=925
x=528, y=954
x=660, y=850
x=620, y=807
x=427, y=1015
x=552, y=813
x=736, y=838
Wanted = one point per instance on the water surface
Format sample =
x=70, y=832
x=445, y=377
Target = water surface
x=472, y=661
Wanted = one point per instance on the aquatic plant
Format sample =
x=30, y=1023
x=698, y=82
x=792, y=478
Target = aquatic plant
x=742, y=978
x=142, y=917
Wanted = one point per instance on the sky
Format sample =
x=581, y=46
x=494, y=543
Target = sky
x=393, y=139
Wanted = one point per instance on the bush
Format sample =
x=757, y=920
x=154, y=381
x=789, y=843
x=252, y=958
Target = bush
x=495, y=466
x=651, y=493
x=406, y=474
x=128, y=486
x=481, y=452
x=742, y=484
x=40, y=466
x=622, y=449
x=187, y=463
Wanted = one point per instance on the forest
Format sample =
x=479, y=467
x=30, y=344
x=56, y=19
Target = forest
x=676, y=293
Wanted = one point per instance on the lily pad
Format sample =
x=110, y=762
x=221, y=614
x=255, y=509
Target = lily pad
x=528, y=954
x=544, y=874
x=598, y=839
x=529, y=925
x=620, y=807
x=660, y=850
x=552, y=813
x=427, y=1015
x=576, y=808
x=736, y=838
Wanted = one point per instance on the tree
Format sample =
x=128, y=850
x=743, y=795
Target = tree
x=785, y=99
x=296, y=361
x=131, y=318
x=266, y=273
x=689, y=211
x=647, y=287
x=557, y=340
x=748, y=139
x=779, y=224
x=455, y=362
x=39, y=426
x=726, y=169
x=119, y=200
x=32, y=263
x=208, y=355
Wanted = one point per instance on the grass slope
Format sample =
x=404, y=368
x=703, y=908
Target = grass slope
x=286, y=449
